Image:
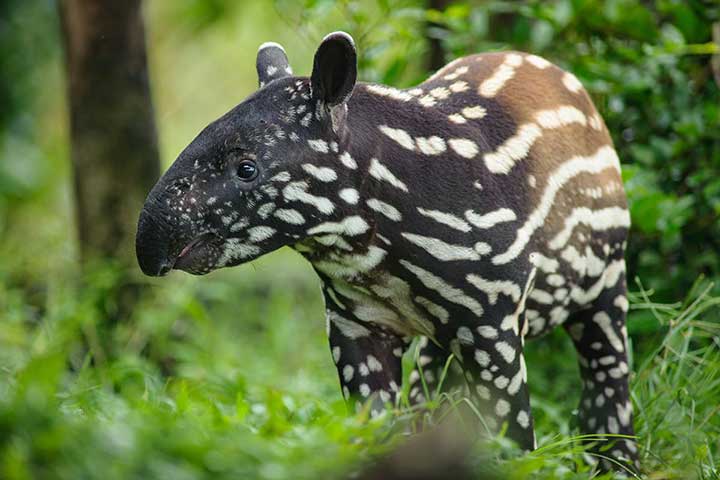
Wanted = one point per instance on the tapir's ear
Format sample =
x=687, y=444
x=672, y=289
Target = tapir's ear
x=334, y=69
x=271, y=63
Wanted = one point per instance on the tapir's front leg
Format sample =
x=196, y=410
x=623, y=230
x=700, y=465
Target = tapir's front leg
x=368, y=360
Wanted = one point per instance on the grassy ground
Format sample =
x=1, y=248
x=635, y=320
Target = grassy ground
x=229, y=376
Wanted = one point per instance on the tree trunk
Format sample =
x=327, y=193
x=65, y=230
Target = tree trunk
x=113, y=138
x=113, y=147
x=436, y=52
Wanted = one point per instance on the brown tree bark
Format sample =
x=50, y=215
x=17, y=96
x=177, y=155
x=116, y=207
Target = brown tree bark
x=113, y=137
x=114, y=147
x=436, y=52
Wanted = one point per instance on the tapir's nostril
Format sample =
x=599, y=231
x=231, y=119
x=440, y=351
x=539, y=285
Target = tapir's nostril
x=164, y=269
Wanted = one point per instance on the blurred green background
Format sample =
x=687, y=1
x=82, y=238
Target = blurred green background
x=229, y=375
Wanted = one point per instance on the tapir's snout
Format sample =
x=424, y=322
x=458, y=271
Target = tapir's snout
x=151, y=245
x=176, y=230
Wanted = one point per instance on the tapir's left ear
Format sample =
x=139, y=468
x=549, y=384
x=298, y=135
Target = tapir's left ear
x=334, y=69
x=271, y=63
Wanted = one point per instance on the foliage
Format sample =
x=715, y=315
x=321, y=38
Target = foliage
x=231, y=378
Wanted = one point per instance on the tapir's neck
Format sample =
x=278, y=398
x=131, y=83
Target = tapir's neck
x=367, y=112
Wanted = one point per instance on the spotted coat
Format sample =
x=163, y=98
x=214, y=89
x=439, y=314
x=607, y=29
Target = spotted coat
x=478, y=209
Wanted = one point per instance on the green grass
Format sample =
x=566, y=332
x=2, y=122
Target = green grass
x=229, y=376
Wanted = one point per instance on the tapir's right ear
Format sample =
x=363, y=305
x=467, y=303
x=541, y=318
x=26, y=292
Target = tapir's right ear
x=271, y=63
x=334, y=69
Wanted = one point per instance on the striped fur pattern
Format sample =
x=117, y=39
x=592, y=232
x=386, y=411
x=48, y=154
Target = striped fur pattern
x=478, y=209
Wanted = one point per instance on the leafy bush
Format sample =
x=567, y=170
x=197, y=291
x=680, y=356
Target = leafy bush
x=231, y=378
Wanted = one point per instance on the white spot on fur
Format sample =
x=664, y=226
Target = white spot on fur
x=459, y=87
x=523, y=419
x=289, y=215
x=474, y=112
x=490, y=219
x=319, y=145
x=348, y=328
x=605, y=323
x=459, y=71
x=389, y=92
x=348, y=373
x=427, y=101
x=493, y=288
x=571, y=82
x=349, y=195
x=537, y=62
x=448, y=219
x=440, y=249
x=364, y=390
x=434, y=309
x=265, y=210
x=541, y=296
x=234, y=249
x=515, y=148
x=351, y=226
x=381, y=172
x=399, y=135
x=502, y=74
x=622, y=303
x=464, y=147
x=260, y=233
x=324, y=174
x=431, y=145
x=482, y=358
x=502, y=407
x=482, y=248
x=373, y=364
x=465, y=336
x=515, y=383
x=543, y=263
x=385, y=208
x=281, y=177
x=297, y=191
x=560, y=117
x=441, y=93
x=487, y=331
x=348, y=161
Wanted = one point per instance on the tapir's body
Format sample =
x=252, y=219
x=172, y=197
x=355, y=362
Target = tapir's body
x=479, y=208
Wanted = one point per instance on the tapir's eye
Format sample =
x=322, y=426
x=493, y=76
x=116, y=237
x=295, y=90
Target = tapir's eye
x=247, y=170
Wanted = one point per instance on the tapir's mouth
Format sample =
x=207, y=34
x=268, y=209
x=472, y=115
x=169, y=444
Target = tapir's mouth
x=198, y=255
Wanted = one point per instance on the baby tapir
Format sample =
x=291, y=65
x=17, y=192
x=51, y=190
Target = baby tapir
x=480, y=208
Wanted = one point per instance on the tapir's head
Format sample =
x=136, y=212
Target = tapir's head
x=259, y=177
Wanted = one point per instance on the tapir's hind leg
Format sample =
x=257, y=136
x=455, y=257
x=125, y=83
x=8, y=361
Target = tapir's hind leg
x=600, y=338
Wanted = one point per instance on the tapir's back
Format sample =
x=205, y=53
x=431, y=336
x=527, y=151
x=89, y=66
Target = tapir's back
x=513, y=145
x=527, y=115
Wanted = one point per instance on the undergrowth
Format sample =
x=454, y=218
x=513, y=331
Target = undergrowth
x=230, y=377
